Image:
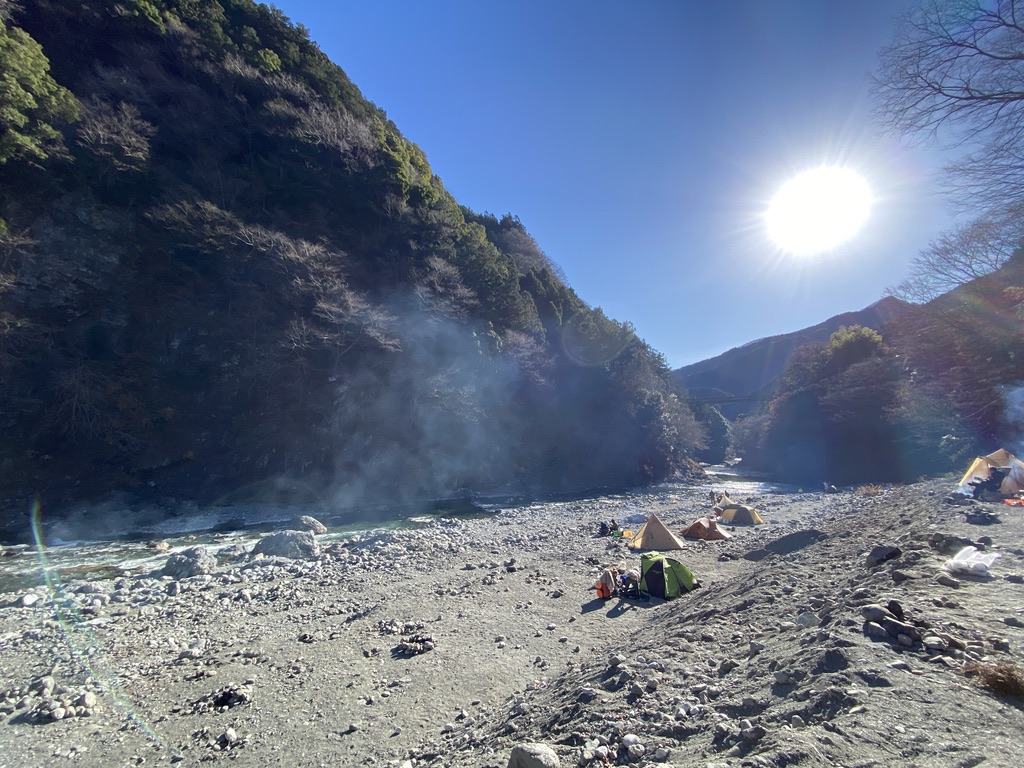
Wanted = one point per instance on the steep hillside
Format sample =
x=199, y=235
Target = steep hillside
x=222, y=270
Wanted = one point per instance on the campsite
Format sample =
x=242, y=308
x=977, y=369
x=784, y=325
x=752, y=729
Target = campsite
x=453, y=644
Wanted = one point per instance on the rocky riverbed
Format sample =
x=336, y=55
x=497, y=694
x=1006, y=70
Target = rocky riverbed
x=830, y=636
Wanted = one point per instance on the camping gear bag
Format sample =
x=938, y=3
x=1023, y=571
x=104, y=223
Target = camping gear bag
x=606, y=585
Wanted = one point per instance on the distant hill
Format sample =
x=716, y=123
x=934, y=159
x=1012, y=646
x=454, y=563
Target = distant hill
x=754, y=366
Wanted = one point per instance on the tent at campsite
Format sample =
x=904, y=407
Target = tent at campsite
x=661, y=576
x=737, y=514
x=654, y=535
x=705, y=528
x=1002, y=459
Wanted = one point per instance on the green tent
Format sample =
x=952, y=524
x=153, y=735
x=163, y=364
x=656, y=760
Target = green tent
x=661, y=576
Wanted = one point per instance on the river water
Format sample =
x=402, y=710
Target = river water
x=54, y=560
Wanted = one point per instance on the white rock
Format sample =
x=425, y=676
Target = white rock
x=533, y=756
x=808, y=619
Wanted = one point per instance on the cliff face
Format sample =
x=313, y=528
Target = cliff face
x=229, y=270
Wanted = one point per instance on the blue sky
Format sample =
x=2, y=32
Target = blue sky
x=640, y=142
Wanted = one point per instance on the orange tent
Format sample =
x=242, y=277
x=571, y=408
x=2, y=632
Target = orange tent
x=705, y=528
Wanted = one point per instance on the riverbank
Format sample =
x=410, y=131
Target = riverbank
x=450, y=644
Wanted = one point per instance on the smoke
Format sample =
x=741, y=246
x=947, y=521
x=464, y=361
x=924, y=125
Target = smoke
x=433, y=420
x=1013, y=400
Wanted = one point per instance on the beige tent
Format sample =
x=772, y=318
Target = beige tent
x=705, y=528
x=1013, y=483
x=654, y=535
x=738, y=514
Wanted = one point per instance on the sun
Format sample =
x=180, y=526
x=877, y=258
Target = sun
x=818, y=210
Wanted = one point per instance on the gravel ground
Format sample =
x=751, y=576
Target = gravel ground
x=450, y=645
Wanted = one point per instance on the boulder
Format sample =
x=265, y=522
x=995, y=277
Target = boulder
x=297, y=545
x=311, y=524
x=533, y=756
x=195, y=561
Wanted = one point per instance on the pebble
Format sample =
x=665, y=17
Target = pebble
x=875, y=613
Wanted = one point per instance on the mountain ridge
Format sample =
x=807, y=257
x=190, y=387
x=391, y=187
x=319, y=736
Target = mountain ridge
x=751, y=367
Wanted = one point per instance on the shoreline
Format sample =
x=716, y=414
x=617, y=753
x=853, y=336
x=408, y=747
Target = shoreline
x=301, y=662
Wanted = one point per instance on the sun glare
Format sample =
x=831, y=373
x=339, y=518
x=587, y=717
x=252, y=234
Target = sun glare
x=818, y=210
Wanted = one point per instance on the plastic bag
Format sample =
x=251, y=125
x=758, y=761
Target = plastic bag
x=971, y=562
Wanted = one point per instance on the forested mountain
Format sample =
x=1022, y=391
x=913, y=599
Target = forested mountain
x=755, y=366
x=935, y=386
x=221, y=268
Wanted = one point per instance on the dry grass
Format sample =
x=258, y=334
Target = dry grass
x=1003, y=678
x=869, y=490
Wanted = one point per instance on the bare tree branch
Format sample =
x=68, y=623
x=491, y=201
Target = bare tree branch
x=964, y=254
x=955, y=74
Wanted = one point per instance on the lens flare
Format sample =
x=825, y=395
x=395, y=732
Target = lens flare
x=818, y=210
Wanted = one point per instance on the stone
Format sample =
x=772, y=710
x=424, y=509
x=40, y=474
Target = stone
x=295, y=545
x=533, y=755
x=310, y=524
x=228, y=738
x=896, y=628
x=873, y=629
x=194, y=561
x=636, y=751
x=881, y=553
x=753, y=733
x=947, y=581
x=586, y=695
x=727, y=666
x=45, y=685
x=832, y=660
x=876, y=613
x=808, y=619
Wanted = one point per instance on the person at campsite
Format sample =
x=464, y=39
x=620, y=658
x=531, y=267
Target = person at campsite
x=991, y=484
x=630, y=583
